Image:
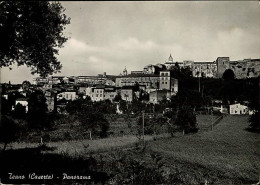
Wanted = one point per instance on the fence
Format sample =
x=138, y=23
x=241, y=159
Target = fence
x=214, y=122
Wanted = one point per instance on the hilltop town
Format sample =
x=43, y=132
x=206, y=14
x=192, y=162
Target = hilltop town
x=154, y=82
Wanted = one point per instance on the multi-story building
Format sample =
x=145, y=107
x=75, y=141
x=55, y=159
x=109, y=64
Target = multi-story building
x=68, y=95
x=246, y=68
x=150, y=81
x=101, y=92
x=127, y=94
x=159, y=95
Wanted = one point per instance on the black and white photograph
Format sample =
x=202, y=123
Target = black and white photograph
x=130, y=92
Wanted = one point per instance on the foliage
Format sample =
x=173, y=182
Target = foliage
x=76, y=105
x=37, y=111
x=228, y=75
x=117, y=98
x=19, y=111
x=8, y=130
x=186, y=120
x=254, y=120
x=5, y=107
x=32, y=33
x=123, y=106
x=94, y=121
x=144, y=96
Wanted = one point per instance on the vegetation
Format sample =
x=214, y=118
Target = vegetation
x=8, y=130
x=254, y=121
x=32, y=33
x=37, y=111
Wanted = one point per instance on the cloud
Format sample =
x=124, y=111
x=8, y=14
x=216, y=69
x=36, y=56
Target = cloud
x=134, y=44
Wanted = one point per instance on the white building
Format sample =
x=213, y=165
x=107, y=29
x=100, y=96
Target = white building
x=23, y=102
x=69, y=95
x=238, y=109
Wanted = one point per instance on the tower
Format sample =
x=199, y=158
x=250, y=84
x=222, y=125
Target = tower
x=222, y=65
x=125, y=72
x=170, y=58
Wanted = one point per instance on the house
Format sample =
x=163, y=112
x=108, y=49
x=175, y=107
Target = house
x=127, y=94
x=68, y=95
x=238, y=109
x=159, y=95
x=51, y=100
x=101, y=92
x=23, y=102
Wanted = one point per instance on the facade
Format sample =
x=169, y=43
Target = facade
x=149, y=81
x=238, y=109
x=158, y=95
x=23, y=102
x=101, y=92
x=222, y=65
x=127, y=94
x=51, y=100
x=68, y=95
x=246, y=68
x=165, y=80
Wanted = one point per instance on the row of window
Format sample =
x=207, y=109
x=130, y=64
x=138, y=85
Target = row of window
x=164, y=74
x=111, y=96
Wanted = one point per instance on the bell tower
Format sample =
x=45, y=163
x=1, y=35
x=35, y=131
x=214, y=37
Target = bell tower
x=125, y=72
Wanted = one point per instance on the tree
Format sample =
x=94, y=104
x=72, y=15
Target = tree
x=37, y=111
x=117, y=98
x=19, y=111
x=26, y=85
x=8, y=130
x=32, y=33
x=186, y=120
x=254, y=120
x=228, y=75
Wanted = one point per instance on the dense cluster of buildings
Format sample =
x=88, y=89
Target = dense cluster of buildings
x=246, y=68
x=156, y=81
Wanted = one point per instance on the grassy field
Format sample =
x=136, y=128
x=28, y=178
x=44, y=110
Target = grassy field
x=228, y=154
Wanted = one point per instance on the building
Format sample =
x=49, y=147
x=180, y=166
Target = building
x=23, y=102
x=51, y=100
x=68, y=95
x=222, y=66
x=101, y=92
x=158, y=95
x=127, y=94
x=238, y=109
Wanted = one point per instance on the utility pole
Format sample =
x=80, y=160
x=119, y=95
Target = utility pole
x=143, y=127
x=211, y=120
x=199, y=84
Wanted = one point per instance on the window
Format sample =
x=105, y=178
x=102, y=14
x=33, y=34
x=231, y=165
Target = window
x=165, y=82
x=96, y=95
x=162, y=82
x=166, y=74
x=97, y=91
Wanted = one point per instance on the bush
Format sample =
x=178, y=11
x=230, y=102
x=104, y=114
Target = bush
x=9, y=131
x=254, y=123
x=186, y=120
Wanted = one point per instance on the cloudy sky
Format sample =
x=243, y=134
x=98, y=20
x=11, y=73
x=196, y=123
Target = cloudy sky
x=107, y=36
